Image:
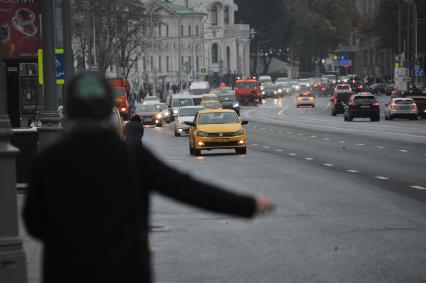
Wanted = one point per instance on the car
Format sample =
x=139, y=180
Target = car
x=339, y=100
x=264, y=79
x=271, y=90
x=247, y=91
x=356, y=83
x=284, y=87
x=217, y=129
x=209, y=97
x=304, y=84
x=305, y=99
x=151, y=100
x=342, y=88
x=421, y=105
x=151, y=114
x=281, y=80
x=362, y=105
x=185, y=114
x=389, y=88
x=401, y=108
x=180, y=100
x=165, y=112
x=377, y=88
x=211, y=104
x=294, y=85
x=117, y=122
x=229, y=101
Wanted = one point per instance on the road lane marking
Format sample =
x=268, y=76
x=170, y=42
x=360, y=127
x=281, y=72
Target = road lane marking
x=380, y=147
x=381, y=178
x=290, y=133
x=313, y=136
x=360, y=144
x=255, y=144
x=418, y=187
x=342, y=142
x=280, y=150
x=266, y=147
x=270, y=130
x=279, y=131
x=292, y=154
x=328, y=164
x=254, y=126
x=326, y=139
x=300, y=134
x=262, y=128
x=403, y=150
x=309, y=158
x=352, y=171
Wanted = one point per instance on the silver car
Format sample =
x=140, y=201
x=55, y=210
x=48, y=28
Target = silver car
x=185, y=114
x=401, y=108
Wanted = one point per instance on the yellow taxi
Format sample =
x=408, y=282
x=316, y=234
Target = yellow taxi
x=217, y=129
x=305, y=99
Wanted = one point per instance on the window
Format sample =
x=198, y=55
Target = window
x=159, y=30
x=214, y=15
x=159, y=64
x=144, y=63
x=181, y=30
x=226, y=15
x=215, y=53
x=189, y=30
x=197, y=30
x=152, y=63
x=167, y=30
x=168, y=64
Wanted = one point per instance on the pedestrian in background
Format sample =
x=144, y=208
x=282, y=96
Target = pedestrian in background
x=88, y=197
x=133, y=131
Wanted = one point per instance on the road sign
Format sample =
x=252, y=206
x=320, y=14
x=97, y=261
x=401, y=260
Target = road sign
x=342, y=63
x=59, y=66
x=420, y=72
x=203, y=71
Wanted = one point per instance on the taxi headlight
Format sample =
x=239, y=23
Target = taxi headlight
x=202, y=134
x=239, y=133
x=158, y=116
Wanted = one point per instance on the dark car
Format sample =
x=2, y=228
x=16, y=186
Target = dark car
x=229, y=101
x=356, y=83
x=389, y=88
x=270, y=90
x=421, y=105
x=338, y=102
x=377, y=88
x=362, y=105
x=150, y=114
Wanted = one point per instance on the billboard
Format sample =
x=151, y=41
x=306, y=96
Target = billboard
x=21, y=21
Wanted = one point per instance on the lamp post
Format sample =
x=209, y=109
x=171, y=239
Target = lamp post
x=413, y=3
x=12, y=255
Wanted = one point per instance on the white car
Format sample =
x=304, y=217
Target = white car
x=401, y=108
x=151, y=100
x=185, y=114
x=181, y=100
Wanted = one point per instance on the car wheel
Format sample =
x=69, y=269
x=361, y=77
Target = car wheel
x=242, y=150
x=297, y=106
x=386, y=117
x=191, y=150
x=390, y=117
x=197, y=152
x=313, y=106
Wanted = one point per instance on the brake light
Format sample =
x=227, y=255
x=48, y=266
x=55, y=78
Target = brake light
x=360, y=86
x=393, y=106
x=376, y=104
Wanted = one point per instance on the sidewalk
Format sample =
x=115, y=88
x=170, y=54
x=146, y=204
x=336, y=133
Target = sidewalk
x=31, y=246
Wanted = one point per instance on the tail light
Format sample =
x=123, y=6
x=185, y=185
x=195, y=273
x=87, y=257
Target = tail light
x=393, y=106
x=376, y=104
x=360, y=86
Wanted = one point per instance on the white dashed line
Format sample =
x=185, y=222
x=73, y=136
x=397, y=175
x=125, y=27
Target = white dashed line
x=279, y=131
x=403, y=150
x=262, y=128
x=418, y=187
x=313, y=136
x=300, y=134
x=326, y=139
x=254, y=126
x=266, y=147
x=342, y=142
x=380, y=147
x=280, y=150
x=292, y=154
x=360, y=144
x=352, y=171
x=309, y=158
x=255, y=144
x=381, y=178
x=328, y=164
x=290, y=133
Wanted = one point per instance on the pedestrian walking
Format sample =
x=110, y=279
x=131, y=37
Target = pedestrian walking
x=133, y=131
x=88, y=197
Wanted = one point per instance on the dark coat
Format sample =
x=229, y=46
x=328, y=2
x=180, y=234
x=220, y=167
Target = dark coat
x=133, y=131
x=91, y=211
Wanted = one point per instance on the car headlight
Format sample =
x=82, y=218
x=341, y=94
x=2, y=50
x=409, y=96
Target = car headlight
x=175, y=111
x=263, y=92
x=202, y=134
x=159, y=116
x=236, y=105
x=166, y=113
x=239, y=133
x=275, y=92
x=280, y=90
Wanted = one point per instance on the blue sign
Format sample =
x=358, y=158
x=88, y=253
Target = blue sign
x=60, y=67
x=420, y=72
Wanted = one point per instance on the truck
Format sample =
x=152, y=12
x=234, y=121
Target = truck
x=247, y=90
x=121, y=90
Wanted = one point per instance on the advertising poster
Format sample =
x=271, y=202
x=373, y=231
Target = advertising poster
x=21, y=20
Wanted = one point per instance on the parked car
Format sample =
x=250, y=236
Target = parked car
x=401, y=108
x=362, y=105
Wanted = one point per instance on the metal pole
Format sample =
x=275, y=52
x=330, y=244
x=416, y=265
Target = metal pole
x=68, y=54
x=12, y=256
x=415, y=38
x=179, y=55
x=94, y=40
x=50, y=119
x=399, y=29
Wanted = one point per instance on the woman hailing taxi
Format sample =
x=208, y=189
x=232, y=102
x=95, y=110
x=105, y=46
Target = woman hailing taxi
x=88, y=198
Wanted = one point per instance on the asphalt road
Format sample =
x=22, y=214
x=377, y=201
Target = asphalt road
x=350, y=202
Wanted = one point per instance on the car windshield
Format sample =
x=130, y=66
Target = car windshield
x=199, y=91
x=343, y=87
x=365, y=98
x=271, y=87
x=147, y=108
x=185, y=112
x=181, y=102
x=224, y=98
x=403, y=101
x=211, y=104
x=218, y=118
x=246, y=85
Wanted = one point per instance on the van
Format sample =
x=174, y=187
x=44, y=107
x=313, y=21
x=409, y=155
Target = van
x=198, y=89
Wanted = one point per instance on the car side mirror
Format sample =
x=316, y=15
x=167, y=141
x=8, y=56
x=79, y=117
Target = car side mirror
x=191, y=124
x=244, y=122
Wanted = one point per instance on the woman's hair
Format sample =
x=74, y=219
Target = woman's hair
x=88, y=96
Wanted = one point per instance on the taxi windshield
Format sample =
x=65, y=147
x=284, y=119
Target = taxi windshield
x=216, y=118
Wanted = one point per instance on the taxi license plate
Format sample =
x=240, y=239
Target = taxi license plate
x=220, y=140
